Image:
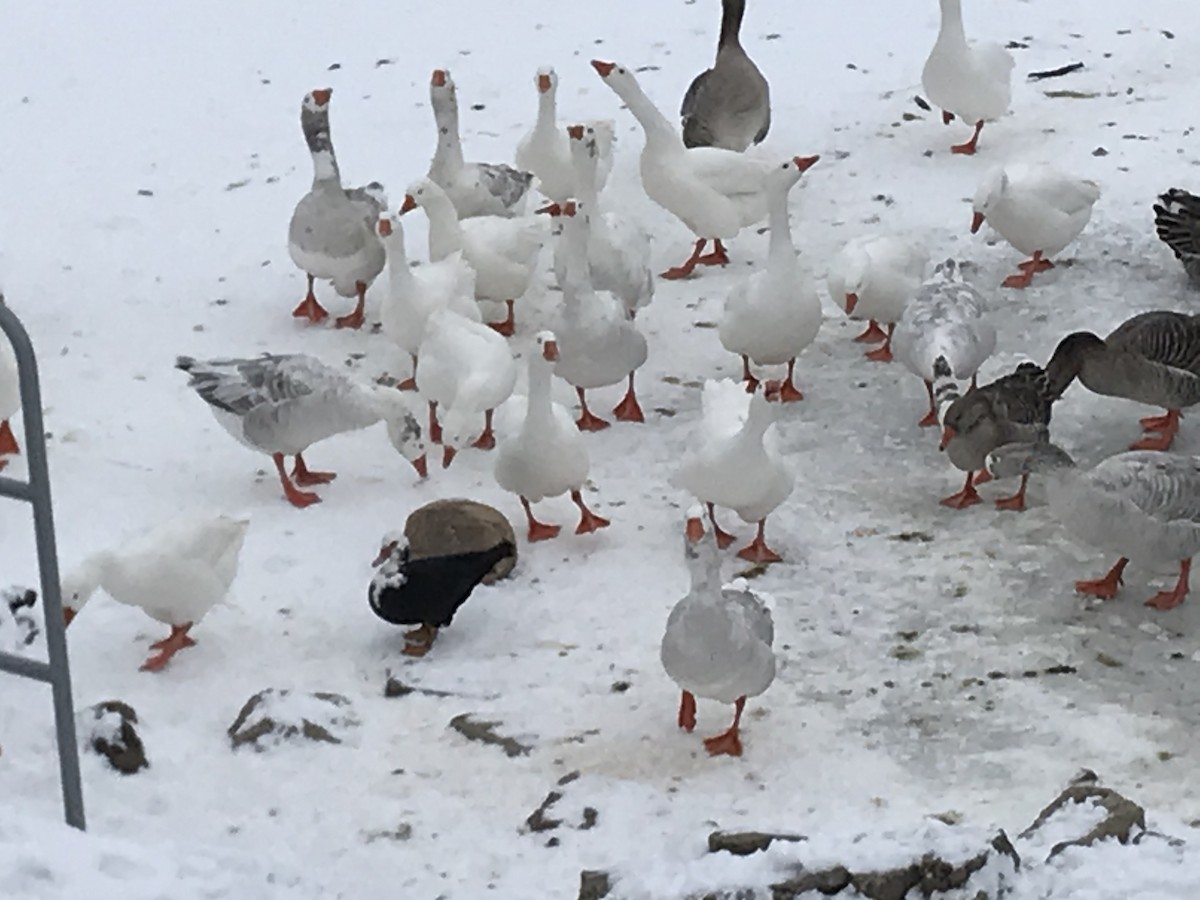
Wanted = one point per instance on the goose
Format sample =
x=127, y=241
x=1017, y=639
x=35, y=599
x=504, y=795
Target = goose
x=546, y=153
x=467, y=370
x=771, y=316
x=546, y=455
x=332, y=232
x=413, y=295
x=175, y=572
x=475, y=189
x=282, y=404
x=717, y=643
x=1151, y=358
x=1037, y=209
x=618, y=248
x=715, y=192
x=1014, y=408
x=734, y=461
x=947, y=318
x=10, y=397
x=729, y=105
x=873, y=277
x=598, y=344
x=503, y=252
x=426, y=592
x=971, y=81
x=1144, y=505
x=1177, y=219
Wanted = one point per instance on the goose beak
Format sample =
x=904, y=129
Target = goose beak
x=976, y=222
x=421, y=466
x=550, y=351
x=851, y=302
x=543, y=83
x=804, y=163
x=448, y=454
x=408, y=205
x=322, y=96
x=948, y=434
x=575, y=132
x=439, y=78
x=384, y=552
x=69, y=615
x=385, y=228
x=695, y=531
x=604, y=68
x=551, y=209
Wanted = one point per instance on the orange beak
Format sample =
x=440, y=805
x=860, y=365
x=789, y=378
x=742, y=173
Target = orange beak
x=69, y=615
x=569, y=208
x=322, y=96
x=976, y=222
x=448, y=454
x=384, y=552
x=384, y=227
x=695, y=530
x=550, y=351
x=551, y=209
x=421, y=466
x=603, y=67
x=948, y=434
x=439, y=78
x=851, y=302
x=408, y=205
x=804, y=163
x=575, y=132
x=543, y=83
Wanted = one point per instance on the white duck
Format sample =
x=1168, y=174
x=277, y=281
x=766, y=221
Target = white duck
x=468, y=370
x=332, y=231
x=717, y=644
x=735, y=460
x=1037, y=209
x=715, y=192
x=947, y=319
x=281, y=405
x=503, y=252
x=1143, y=504
x=175, y=573
x=475, y=189
x=544, y=151
x=414, y=295
x=873, y=277
x=598, y=344
x=10, y=397
x=771, y=316
x=618, y=248
x=546, y=456
x=971, y=81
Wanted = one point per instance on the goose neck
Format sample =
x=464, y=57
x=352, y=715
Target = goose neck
x=732, y=12
x=952, y=21
x=449, y=154
x=445, y=231
x=659, y=132
x=547, y=113
x=780, y=244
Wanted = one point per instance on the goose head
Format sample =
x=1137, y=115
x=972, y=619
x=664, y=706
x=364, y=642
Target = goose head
x=990, y=192
x=391, y=232
x=77, y=588
x=970, y=417
x=784, y=176
x=618, y=77
x=947, y=270
x=855, y=271
x=316, y=101
x=547, y=346
x=403, y=428
x=441, y=87
x=546, y=80
x=420, y=193
x=394, y=546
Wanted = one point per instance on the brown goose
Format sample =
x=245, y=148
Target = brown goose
x=1177, y=218
x=729, y=105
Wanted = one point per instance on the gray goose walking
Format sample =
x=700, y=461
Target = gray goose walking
x=1177, y=218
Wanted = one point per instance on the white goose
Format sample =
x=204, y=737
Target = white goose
x=715, y=192
x=10, y=397
x=873, y=277
x=503, y=252
x=475, y=189
x=281, y=405
x=544, y=150
x=971, y=81
x=467, y=370
x=598, y=344
x=175, y=573
x=618, y=248
x=735, y=460
x=1037, y=209
x=546, y=455
x=717, y=643
x=947, y=319
x=771, y=316
x=414, y=295
x=1143, y=504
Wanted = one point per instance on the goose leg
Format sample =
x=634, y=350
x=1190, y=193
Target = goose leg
x=789, y=393
x=309, y=308
x=508, y=325
x=297, y=498
x=1105, y=588
x=724, y=538
x=1161, y=435
x=983, y=476
x=687, y=711
x=588, y=520
x=748, y=376
x=757, y=550
x=409, y=383
x=1170, y=599
x=487, y=440
x=883, y=353
x=168, y=647
x=1016, y=501
x=1168, y=422
x=628, y=409
x=418, y=642
x=689, y=265
x=435, y=428
x=931, y=417
x=873, y=335
x=968, y=496
x=587, y=421
x=303, y=477
x=356, y=318
x=538, y=531
x=969, y=147
x=1035, y=264
x=8, y=441
x=728, y=743
x=718, y=257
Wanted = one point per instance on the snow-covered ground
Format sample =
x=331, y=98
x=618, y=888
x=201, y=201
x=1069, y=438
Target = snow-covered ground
x=151, y=159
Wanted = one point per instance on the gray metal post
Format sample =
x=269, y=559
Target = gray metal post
x=37, y=492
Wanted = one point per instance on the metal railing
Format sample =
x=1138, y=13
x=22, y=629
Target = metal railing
x=36, y=491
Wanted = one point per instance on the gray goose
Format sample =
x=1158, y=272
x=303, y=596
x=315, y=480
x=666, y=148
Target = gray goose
x=729, y=105
x=1153, y=358
x=332, y=232
x=1177, y=218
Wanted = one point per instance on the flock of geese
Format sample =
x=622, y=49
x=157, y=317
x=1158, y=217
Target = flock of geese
x=453, y=315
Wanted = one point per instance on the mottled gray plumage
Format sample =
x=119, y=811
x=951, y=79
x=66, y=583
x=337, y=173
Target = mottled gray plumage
x=1177, y=219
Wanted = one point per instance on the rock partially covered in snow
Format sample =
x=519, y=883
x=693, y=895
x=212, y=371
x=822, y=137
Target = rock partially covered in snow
x=18, y=622
x=277, y=716
x=109, y=729
x=449, y=527
x=1082, y=815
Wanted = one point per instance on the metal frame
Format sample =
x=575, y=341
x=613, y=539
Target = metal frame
x=36, y=491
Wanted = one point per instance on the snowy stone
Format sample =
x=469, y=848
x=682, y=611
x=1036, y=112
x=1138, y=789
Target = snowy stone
x=107, y=729
x=277, y=716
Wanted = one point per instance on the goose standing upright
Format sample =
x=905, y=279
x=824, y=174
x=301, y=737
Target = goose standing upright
x=717, y=643
x=973, y=82
x=873, y=277
x=729, y=105
x=774, y=314
x=332, y=231
x=1143, y=505
x=1177, y=220
x=475, y=189
x=175, y=573
x=10, y=397
x=1037, y=209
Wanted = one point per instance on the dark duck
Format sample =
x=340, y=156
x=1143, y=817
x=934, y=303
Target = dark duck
x=426, y=592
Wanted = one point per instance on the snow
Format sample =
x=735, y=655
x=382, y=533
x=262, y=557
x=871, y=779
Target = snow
x=147, y=179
